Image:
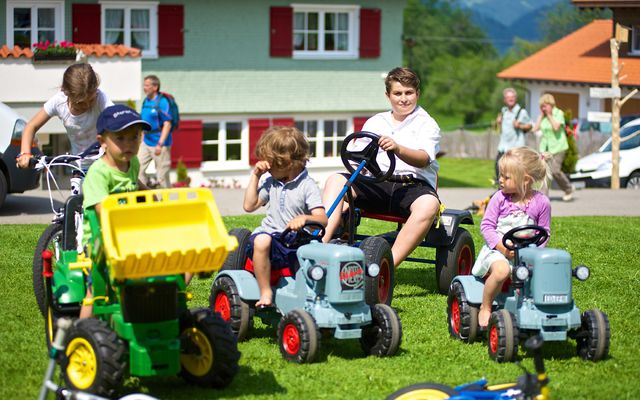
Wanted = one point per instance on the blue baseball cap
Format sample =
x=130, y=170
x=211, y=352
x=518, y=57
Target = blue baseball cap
x=118, y=117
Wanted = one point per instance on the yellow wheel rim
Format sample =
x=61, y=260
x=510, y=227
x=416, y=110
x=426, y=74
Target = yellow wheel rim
x=200, y=362
x=49, y=324
x=82, y=367
x=424, y=394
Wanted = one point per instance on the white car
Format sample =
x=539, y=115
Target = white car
x=12, y=179
x=594, y=170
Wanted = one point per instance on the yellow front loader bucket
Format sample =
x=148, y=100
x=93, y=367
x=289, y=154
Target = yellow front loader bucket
x=163, y=232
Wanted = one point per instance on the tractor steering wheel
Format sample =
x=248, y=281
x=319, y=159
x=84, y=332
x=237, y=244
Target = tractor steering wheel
x=523, y=236
x=310, y=231
x=367, y=154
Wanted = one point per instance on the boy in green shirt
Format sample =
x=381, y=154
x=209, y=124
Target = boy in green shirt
x=119, y=133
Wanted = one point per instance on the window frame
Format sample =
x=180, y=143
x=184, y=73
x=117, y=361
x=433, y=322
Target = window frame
x=353, y=12
x=222, y=164
x=126, y=6
x=57, y=5
x=321, y=138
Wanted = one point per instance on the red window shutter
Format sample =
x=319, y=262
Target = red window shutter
x=256, y=129
x=85, y=20
x=358, y=123
x=187, y=144
x=281, y=34
x=170, y=30
x=283, y=122
x=370, y=32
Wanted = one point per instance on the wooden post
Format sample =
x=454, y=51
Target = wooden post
x=615, y=117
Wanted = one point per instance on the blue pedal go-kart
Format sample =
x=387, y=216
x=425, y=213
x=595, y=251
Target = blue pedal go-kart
x=320, y=294
x=538, y=301
x=529, y=386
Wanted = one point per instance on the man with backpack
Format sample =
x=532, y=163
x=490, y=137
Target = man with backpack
x=513, y=122
x=158, y=111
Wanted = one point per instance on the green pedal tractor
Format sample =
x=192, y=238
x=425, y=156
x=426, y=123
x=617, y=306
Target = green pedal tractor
x=138, y=254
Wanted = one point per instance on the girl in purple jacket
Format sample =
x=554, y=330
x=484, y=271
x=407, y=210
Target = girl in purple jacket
x=517, y=203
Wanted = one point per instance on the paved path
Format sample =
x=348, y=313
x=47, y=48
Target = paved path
x=34, y=206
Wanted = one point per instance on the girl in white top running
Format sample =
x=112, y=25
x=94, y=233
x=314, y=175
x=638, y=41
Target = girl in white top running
x=78, y=105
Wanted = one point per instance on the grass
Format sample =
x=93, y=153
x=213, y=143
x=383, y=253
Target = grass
x=427, y=352
x=465, y=172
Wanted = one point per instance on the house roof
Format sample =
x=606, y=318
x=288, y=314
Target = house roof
x=271, y=92
x=95, y=50
x=606, y=3
x=582, y=57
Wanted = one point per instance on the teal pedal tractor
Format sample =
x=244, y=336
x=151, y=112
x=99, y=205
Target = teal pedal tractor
x=139, y=252
x=323, y=294
x=538, y=301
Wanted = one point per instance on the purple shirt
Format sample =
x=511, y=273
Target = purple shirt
x=500, y=205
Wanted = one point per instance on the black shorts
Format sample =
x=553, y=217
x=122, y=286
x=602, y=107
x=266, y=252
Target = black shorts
x=280, y=256
x=391, y=197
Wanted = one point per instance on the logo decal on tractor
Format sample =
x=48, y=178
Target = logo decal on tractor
x=351, y=275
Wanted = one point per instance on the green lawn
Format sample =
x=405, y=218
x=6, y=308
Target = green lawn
x=465, y=172
x=605, y=244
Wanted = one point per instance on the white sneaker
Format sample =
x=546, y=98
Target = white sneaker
x=567, y=197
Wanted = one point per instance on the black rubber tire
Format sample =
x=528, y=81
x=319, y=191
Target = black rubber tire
x=455, y=259
x=503, y=336
x=298, y=337
x=594, y=343
x=380, y=288
x=383, y=336
x=226, y=301
x=462, y=316
x=50, y=239
x=237, y=258
x=4, y=188
x=92, y=344
x=633, y=182
x=423, y=391
x=207, y=339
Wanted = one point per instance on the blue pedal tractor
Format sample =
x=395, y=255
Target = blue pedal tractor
x=538, y=301
x=322, y=292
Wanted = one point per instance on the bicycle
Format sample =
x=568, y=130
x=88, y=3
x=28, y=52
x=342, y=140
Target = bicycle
x=528, y=386
x=64, y=232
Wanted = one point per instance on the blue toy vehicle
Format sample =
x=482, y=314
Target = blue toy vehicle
x=529, y=386
x=324, y=291
x=538, y=301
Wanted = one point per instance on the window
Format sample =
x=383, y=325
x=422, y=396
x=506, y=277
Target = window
x=326, y=141
x=222, y=141
x=131, y=24
x=635, y=40
x=29, y=22
x=325, y=31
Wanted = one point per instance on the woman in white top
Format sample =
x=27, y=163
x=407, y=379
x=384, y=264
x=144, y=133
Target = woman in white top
x=414, y=138
x=78, y=105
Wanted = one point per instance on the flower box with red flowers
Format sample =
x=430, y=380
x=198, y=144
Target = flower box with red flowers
x=61, y=52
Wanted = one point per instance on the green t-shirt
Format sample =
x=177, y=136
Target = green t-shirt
x=103, y=180
x=553, y=141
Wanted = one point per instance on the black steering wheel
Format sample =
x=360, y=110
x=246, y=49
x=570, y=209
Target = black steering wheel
x=523, y=236
x=368, y=154
x=310, y=231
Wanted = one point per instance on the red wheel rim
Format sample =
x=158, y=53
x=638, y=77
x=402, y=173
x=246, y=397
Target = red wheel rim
x=455, y=316
x=464, y=261
x=384, y=280
x=493, y=339
x=223, y=306
x=291, y=339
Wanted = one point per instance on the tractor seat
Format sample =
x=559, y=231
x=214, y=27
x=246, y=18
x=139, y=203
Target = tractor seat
x=383, y=217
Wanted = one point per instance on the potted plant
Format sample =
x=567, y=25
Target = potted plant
x=47, y=51
x=182, y=177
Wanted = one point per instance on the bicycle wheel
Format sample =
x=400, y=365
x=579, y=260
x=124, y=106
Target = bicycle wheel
x=423, y=391
x=50, y=239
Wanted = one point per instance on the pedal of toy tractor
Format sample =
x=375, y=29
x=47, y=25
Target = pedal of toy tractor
x=163, y=232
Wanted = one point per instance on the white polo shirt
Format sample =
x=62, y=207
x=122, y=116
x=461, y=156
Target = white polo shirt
x=418, y=131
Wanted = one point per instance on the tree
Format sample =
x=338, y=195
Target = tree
x=462, y=85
